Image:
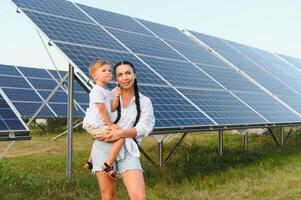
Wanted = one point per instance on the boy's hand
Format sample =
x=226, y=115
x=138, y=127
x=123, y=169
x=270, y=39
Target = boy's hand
x=117, y=91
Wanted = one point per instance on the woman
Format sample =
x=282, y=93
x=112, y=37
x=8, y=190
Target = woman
x=136, y=119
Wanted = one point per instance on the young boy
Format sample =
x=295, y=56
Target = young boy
x=98, y=115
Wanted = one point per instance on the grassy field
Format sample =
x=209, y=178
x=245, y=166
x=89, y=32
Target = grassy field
x=36, y=169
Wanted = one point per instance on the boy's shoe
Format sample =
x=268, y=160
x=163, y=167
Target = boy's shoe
x=109, y=170
x=88, y=165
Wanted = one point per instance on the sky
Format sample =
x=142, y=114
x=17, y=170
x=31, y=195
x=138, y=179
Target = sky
x=273, y=25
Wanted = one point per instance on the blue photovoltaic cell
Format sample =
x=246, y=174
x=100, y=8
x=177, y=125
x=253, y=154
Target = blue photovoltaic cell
x=46, y=84
x=181, y=74
x=81, y=97
x=196, y=53
x=8, y=70
x=83, y=57
x=228, y=52
x=292, y=60
x=76, y=86
x=244, y=63
x=55, y=7
x=16, y=94
x=11, y=81
x=8, y=119
x=73, y=31
x=268, y=107
x=166, y=32
x=270, y=83
x=59, y=96
x=223, y=107
x=278, y=68
x=61, y=110
x=114, y=20
x=147, y=45
x=172, y=110
x=293, y=101
x=268, y=61
x=27, y=109
x=230, y=78
x=57, y=74
x=35, y=72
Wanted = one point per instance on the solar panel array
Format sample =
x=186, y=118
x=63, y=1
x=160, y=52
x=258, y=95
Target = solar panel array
x=10, y=122
x=27, y=88
x=188, y=85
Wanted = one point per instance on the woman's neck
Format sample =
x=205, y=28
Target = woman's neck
x=128, y=92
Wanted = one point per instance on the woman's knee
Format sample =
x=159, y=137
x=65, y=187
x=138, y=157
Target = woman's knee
x=108, y=195
x=138, y=196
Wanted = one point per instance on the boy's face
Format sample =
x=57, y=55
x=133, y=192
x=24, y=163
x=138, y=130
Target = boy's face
x=103, y=74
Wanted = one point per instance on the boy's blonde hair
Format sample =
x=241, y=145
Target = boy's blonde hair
x=97, y=64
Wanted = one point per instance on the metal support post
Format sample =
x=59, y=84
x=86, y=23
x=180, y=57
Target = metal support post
x=289, y=133
x=70, y=120
x=220, y=142
x=245, y=138
x=160, y=154
x=281, y=136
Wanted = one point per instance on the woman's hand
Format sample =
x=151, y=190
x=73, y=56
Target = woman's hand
x=112, y=135
x=99, y=137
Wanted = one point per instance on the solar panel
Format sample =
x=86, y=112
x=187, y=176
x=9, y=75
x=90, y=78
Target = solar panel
x=172, y=110
x=55, y=7
x=162, y=56
x=230, y=78
x=20, y=93
x=245, y=64
x=27, y=88
x=167, y=32
x=223, y=107
x=44, y=84
x=268, y=107
x=11, y=123
x=151, y=45
x=114, y=20
x=292, y=60
x=287, y=74
x=71, y=31
x=83, y=56
x=173, y=71
x=248, y=60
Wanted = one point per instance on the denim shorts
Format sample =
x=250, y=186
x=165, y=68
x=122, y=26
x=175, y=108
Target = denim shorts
x=100, y=153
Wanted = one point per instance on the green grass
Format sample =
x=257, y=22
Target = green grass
x=37, y=169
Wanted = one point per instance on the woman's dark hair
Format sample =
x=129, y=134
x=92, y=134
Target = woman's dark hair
x=137, y=99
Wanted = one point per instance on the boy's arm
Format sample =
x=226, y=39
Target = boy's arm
x=115, y=102
x=104, y=114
